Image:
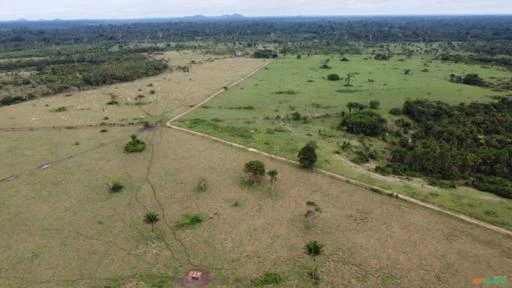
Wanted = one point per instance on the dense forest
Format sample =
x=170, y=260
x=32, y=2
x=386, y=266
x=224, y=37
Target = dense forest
x=475, y=32
x=28, y=78
x=468, y=143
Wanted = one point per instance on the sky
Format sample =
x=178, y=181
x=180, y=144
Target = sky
x=128, y=9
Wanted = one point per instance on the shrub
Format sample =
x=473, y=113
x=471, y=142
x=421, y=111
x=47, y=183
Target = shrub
x=364, y=122
x=135, y=145
x=268, y=279
x=152, y=92
x=255, y=169
x=202, y=185
x=473, y=79
x=265, y=53
x=395, y=111
x=189, y=220
x=374, y=104
x=307, y=155
x=333, y=77
x=361, y=158
x=8, y=100
x=60, y=109
x=495, y=185
x=116, y=186
x=382, y=57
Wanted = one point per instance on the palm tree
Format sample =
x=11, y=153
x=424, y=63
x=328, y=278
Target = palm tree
x=151, y=218
x=273, y=177
x=314, y=249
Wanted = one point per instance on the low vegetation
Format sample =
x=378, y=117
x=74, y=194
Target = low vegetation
x=135, y=145
x=189, y=220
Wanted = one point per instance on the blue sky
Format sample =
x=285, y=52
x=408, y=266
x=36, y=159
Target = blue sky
x=80, y=9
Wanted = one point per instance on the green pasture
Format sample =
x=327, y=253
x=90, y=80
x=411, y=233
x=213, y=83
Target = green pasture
x=259, y=113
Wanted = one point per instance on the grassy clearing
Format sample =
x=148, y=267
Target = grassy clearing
x=28, y=150
x=174, y=92
x=75, y=230
x=292, y=103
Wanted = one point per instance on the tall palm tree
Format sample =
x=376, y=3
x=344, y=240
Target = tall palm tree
x=151, y=218
x=273, y=177
x=314, y=249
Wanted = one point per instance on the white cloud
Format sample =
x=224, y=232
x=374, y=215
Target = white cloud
x=80, y=9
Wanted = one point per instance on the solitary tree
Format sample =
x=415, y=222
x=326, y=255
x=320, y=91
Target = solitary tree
x=273, y=177
x=151, y=218
x=307, y=155
x=256, y=170
x=348, y=79
x=314, y=249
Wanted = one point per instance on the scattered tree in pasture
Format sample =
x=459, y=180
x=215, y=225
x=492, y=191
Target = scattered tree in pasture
x=256, y=170
x=333, y=77
x=151, y=218
x=314, y=249
x=273, y=178
x=135, y=145
x=348, y=80
x=307, y=155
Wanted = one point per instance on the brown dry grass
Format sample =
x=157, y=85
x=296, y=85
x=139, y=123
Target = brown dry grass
x=175, y=92
x=62, y=228
x=75, y=230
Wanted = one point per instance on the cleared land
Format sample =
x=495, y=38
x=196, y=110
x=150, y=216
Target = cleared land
x=63, y=228
x=259, y=114
x=173, y=92
x=76, y=233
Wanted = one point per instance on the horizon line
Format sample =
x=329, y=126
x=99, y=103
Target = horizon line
x=236, y=15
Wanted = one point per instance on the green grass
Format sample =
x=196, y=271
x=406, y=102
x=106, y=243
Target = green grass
x=290, y=85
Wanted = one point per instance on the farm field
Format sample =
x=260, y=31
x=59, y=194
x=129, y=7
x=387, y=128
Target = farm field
x=77, y=233
x=259, y=113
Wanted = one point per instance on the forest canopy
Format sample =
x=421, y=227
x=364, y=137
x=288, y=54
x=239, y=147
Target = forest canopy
x=466, y=142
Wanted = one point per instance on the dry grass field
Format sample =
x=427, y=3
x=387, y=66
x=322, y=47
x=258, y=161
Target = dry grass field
x=61, y=227
x=174, y=92
x=64, y=229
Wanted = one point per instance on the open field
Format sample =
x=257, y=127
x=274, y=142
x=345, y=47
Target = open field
x=27, y=150
x=76, y=233
x=258, y=112
x=173, y=92
x=63, y=228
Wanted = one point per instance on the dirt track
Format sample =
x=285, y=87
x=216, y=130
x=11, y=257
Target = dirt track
x=327, y=173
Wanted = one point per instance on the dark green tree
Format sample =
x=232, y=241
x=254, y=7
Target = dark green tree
x=256, y=170
x=364, y=122
x=135, y=145
x=307, y=155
